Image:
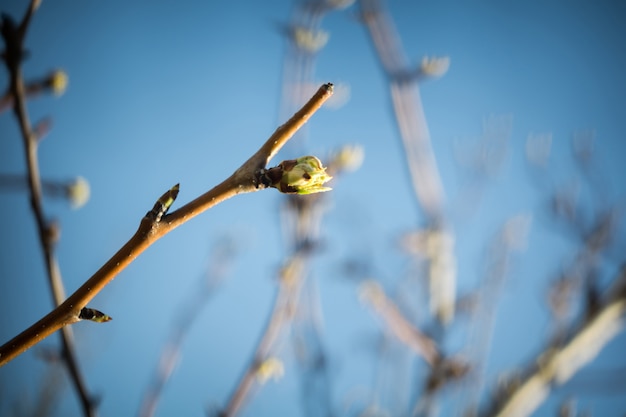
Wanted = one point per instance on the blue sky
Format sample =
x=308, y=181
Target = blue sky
x=164, y=92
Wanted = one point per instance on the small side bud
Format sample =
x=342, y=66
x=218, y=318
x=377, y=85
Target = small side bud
x=53, y=232
x=164, y=203
x=58, y=81
x=78, y=192
x=348, y=158
x=310, y=40
x=435, y=67
x=270, y=368
x=92, y=314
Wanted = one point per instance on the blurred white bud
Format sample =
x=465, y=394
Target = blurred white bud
x=348, y=158
x=435, y=66
x=309, y=40
x=78, y=192
x=270, y=368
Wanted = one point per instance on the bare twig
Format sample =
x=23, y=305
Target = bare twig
x=407, y=109
x=188, y=312
x=284, y=306
x=415, y=135
x=246, y=179
x=32, y=89
x=303, y=218
x=14, y=40
x=558, y=365
x=398, y=325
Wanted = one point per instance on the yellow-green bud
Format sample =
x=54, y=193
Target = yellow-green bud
x=58, y=82
x=270, y=368
x=305, y=175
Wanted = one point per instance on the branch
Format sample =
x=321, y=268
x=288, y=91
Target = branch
x=285, y=301
x=407, y=106
x=188, y=311
x=14, y=54
x=556, y=365
x=303, y=218
x=156, y=224
x=372, y=293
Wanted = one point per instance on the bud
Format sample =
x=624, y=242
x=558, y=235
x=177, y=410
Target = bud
x=78, y=192
x=93, y=315
x=309, y=40
x=348, y=158
x=304, y=175
x=58, y=82
x=435, y=67
x=270, y=368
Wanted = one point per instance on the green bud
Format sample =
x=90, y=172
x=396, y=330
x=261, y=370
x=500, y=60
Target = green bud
x=94, y=315
x=304, y=175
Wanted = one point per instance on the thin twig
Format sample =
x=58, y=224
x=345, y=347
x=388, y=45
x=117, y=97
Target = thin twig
x=188, y=312
x=284, y=306
x=408, y=109
x=14, y=38
x=306, y=216
x=243, y=180
x=398, y=324
x=555, y=366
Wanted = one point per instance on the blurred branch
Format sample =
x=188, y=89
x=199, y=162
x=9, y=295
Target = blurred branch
x=408, y=109
x=76, y=191
x=156, y=224
x=56, y=82
x=579, y=273
x=48, y=232
x=372, y=293
x=556, y=365
x=284, y=307
x=189, y=310
x=512, y=237
x=415, y=135
x=302, y=220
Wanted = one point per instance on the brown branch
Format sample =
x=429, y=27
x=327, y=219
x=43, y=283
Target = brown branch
x=14, y=39
x=243, y=180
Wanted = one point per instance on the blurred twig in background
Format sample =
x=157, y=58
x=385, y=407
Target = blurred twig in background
x=49, y=232
x=557, y=364
x=189, y=309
